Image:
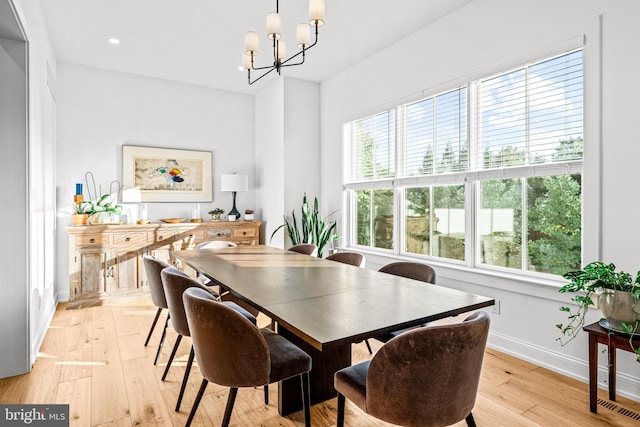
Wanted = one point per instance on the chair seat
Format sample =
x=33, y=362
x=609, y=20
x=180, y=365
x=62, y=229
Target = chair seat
x=351, y=382
x=287, y=360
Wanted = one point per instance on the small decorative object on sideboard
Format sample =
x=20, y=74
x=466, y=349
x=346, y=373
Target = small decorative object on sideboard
x=80, y=213
x=216, y=214
x=105, y=210
x=248, y=215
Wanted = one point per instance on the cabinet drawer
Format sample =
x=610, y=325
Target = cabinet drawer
x=219, y=233
x=92, y=239
x=130, y=240
x=163, y=236
x=244, y=232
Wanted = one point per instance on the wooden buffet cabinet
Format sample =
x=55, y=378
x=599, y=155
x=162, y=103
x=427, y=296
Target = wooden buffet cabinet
x=106, y=260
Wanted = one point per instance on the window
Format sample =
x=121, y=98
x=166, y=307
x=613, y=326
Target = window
x=488, y=174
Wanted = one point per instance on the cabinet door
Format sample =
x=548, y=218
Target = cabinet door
x=94, y=268
x=126, y=277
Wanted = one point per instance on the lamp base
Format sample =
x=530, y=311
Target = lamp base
x=233, y=210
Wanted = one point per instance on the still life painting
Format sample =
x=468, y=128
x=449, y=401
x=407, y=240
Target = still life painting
x=165, y=175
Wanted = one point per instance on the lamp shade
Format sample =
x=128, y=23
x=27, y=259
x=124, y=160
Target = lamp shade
x=234, y=182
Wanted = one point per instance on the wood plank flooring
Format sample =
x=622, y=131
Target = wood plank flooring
x=93, y=358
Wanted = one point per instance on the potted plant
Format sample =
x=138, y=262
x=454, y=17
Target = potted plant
x=103, y=210
x=315, y=229
x=216, y=214
x=248, y=215
x=80, y=213
x=617, y=295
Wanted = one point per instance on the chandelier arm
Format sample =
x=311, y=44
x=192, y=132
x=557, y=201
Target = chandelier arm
x=284, y=63
x=249, y=75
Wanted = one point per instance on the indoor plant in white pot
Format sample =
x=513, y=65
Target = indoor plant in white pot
x=105, y=210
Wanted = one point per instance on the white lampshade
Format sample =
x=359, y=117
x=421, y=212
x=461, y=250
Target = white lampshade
x=302, y=35
x=246, y=61
x=234, y=182
x=274, y=27
x=316, y=12
x=282, y=50
x=251, y=41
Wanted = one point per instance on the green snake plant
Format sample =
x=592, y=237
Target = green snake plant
x=314, y=229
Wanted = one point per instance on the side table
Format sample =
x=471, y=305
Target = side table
x=613, y=340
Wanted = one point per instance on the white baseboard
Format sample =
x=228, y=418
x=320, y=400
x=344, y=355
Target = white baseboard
x=626, y=385
x=63, y=296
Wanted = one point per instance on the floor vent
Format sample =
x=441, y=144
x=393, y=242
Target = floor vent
x=622, y=411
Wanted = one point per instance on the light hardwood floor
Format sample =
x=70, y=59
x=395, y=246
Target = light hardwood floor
x=94, y=359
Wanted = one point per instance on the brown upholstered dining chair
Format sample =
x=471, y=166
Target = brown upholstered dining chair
x=305, y=248
x=411, y=270
x=175, y=282
x=426, y=377
x=351, y=258
x=233, y=352
x=153, y=267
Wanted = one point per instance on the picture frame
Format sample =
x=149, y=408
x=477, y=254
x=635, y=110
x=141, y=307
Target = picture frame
x=151, y=174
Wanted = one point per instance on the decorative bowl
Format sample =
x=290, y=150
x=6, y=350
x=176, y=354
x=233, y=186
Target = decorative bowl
x=172, y=220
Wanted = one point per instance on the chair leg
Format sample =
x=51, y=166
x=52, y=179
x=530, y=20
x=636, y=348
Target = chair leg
x=306, y=399
x=173, y=354
x=341, y=403
x=203, y=386
x=470, y=421
x=164, y=334
x=368, y=346
x=185, y=378
x=153, y=325
x=227, y=411
x=266, y=394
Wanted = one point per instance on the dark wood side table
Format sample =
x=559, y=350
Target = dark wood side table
x=613, y=340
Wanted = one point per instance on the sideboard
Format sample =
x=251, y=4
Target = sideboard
x=106, y=260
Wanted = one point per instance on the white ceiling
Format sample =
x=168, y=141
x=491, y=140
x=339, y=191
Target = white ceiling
x=202, y=41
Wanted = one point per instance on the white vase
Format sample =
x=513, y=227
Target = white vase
x=618, y=307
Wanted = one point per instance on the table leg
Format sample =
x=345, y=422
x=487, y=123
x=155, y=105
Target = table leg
x=612, y=373
x=593, y=373
x=324, y=365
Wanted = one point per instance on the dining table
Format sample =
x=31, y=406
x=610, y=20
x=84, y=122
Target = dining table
x=324, y=306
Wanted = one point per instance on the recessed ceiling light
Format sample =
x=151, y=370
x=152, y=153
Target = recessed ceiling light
x=114, y=40
x=240, y=68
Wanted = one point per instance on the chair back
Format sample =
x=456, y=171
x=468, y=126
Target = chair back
x=411, y=270
x=153, y=267
x=229, y=349
x=175, y=282
x=215, y=244
x=305, y=248
x=428, y=376
x=351, y=258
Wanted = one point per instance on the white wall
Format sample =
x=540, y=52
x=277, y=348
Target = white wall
x=485, y=37
x=270, y=170
x=99, y=111
x=287, y=151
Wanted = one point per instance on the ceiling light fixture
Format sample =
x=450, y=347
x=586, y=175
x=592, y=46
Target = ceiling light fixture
x=316, y=19
x=114, y=40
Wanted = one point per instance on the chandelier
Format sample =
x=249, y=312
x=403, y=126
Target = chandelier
x=303, y=36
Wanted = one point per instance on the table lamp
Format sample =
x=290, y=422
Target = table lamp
x=234, y=183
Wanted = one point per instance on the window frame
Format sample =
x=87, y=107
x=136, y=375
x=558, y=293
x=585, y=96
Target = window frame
x=472, y=178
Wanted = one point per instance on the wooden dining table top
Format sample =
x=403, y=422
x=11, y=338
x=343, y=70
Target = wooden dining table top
x=327, y=302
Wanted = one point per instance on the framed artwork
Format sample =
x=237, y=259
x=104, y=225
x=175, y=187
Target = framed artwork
x=166, y=175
